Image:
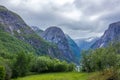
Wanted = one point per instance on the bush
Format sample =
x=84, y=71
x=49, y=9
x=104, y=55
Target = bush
x=40, y=65
x=99, y=59
x=2, y=73
x=71, y=67
x=61, y=66
x=108, y=74
x=21, y=65
x=6, y=64
x=46, y=64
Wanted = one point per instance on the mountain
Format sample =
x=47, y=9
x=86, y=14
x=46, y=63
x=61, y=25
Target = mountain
x=112, y=34
x=75, y=49
x=37, y=30
x=65, y=44
x=11, y=45
x=86, y=43
x=14, y=25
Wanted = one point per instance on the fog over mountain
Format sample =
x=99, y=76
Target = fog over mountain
x=77, y=18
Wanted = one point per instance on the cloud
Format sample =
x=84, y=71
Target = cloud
x=78, y=18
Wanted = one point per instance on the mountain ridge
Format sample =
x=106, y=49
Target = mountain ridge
x=112, y=34
x=64, y=42
x=14, y=25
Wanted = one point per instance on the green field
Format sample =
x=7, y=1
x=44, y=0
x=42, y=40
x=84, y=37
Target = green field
x=57, y=76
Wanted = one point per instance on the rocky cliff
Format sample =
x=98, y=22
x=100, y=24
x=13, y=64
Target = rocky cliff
x=112, y=34
x=57, y=36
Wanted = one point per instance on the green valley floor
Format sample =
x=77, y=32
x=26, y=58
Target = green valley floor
x=57, y=76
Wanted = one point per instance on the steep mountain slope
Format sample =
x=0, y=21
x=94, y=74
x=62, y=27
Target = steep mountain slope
x=57, y=36
x=12, y=45
x=14, y=25
x=86, y=43
x=112, y=34
x=75, y=49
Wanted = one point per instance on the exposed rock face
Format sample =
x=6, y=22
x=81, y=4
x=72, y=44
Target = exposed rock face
x=75, y=49
x=111, y=34
x=57, y=36
x=14, y=24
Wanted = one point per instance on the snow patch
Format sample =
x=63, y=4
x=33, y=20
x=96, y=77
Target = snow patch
x=90, y=39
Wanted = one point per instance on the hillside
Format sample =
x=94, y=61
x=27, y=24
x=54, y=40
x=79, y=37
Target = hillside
x=14, y=25
x=10, y=45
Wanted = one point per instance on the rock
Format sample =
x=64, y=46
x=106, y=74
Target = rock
x=112, y=34
x=57, y=36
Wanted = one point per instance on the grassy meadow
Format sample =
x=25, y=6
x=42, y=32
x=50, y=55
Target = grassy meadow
x=57, y=76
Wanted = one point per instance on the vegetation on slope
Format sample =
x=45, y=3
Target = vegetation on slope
x=11, y=45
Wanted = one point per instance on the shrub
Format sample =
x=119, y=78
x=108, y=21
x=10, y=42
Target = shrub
x=40, y=65
x=2, y=73
x=21, y=65
x=6, y=64
x=103, y=60
x=46, y=64
x=99, y=59
x=107, y=74
x=71, y=67
x=61, y=66
x=8, y=73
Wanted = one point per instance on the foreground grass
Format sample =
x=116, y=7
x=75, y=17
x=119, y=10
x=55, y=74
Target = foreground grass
x=57, y=76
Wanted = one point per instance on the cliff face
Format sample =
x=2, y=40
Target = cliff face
x=13, y=24
x=111, y=34
x=74, y=47
x=57, y=36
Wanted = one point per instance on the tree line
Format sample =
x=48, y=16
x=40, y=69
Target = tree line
x=105, y=60
x=22, y=64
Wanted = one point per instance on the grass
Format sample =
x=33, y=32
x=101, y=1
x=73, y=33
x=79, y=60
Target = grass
x=57, y=76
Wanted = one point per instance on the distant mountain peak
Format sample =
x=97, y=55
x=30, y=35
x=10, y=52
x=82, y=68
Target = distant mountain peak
x=86, y=43
x=54, y=30
x=54, y=34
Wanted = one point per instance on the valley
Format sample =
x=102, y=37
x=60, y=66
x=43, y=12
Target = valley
x=30, y=53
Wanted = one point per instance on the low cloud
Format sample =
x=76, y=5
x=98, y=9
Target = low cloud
x=78, y=18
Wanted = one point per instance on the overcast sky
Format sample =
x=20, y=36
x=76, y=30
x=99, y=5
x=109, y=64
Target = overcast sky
x=77, y=18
